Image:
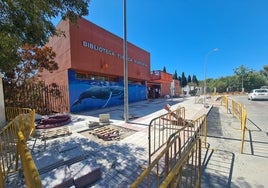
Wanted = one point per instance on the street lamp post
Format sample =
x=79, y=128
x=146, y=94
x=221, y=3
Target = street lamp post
x=242, y=90
x=205, y=64
x=126, y=115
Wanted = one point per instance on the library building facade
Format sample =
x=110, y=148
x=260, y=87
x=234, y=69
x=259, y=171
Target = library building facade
x=91, y=65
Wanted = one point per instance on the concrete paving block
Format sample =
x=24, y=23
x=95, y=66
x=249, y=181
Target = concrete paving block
x=85, y=173
x=60, y=177
x=47, y=160
x=65, y=146
x=73, y=155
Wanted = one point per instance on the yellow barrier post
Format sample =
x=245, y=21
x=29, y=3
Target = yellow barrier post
x=20, y=119
x=182, y=150
x=244, y=121
x=1, y=177
x=227, y=103
x=30, y=171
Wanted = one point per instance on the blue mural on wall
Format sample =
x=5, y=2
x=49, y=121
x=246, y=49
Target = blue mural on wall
x=92, y=94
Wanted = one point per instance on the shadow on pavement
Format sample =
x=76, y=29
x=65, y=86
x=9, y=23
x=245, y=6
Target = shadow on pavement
x=217, y=167
x=214, y=127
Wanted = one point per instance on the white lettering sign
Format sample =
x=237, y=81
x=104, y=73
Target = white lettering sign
x=110, y=52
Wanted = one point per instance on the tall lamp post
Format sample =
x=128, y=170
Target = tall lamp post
x=125, y=61
x=2, y=104
x=205, y=65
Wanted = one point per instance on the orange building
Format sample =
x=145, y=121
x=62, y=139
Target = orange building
x=162, y=84
x=90, y=61
x=90, y=49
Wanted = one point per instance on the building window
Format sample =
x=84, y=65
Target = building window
x=95, y=77
x=113, y=79
x=86, y=76
x=81, y=75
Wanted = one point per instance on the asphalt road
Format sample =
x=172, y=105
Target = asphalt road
x=257, y=112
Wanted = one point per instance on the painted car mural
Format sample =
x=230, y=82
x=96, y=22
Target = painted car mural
x=92, y=94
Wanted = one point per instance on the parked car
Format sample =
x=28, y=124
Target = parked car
x=258, y=94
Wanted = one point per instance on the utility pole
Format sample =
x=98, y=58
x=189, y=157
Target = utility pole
x=2, y=104
x=125, y=62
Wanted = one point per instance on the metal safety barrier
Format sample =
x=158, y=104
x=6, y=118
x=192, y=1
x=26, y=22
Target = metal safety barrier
x=243, y=128
x=160, y=129
x=9, y=141
x=224, y=102
x=30, y=172
x=12, y=112
x=237, y=110
x=179, y=163
x=240, y=112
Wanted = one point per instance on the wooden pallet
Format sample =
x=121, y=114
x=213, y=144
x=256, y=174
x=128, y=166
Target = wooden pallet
x=106, y=133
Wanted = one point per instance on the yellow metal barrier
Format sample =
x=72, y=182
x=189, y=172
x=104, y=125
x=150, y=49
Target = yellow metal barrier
x=32, y=178
x=1, y=178
x=187, y=171
x=8, y=147
x=9, y=141
x=160, y=129
x=244, y=122
x=237, y=111
x=12, y=112
x=179, y=163
x=240, y=112
x=224, y=102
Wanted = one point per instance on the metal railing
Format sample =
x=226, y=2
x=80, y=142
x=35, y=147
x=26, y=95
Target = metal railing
x=240, y=112
x=224, y=102
x=9, y=141
x=12, y=112
x=179, y=163
x=237, y=110
x=30, y=172
x=160, y=129
x=243, y=128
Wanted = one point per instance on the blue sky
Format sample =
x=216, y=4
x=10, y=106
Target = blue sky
x=179, y=34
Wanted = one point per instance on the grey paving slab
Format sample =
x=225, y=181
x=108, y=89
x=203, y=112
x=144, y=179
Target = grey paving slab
x=120, y=162
x=223, y=163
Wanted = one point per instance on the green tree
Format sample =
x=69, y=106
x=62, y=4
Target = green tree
x=164, y=69
x=33, y=61
x=221, y=85
x=195, y=81
x=179, y=78
x=175, y=75
x=241, y=73
x=30, y=22
x=189, y=79
x=254, y=80
x=264, y=71
x=183, y=80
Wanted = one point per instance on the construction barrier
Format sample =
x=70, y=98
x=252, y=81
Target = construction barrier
x=12, y=112
x=160, y=129
x=243, y=128
x=240, y=112
x=30, y=172
x=237, y=110
x=178, y=164
x=224, y=102
x=9, y=141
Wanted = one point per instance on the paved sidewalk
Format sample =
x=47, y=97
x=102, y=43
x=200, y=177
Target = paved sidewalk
x=120, y=161
x=223, y=164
